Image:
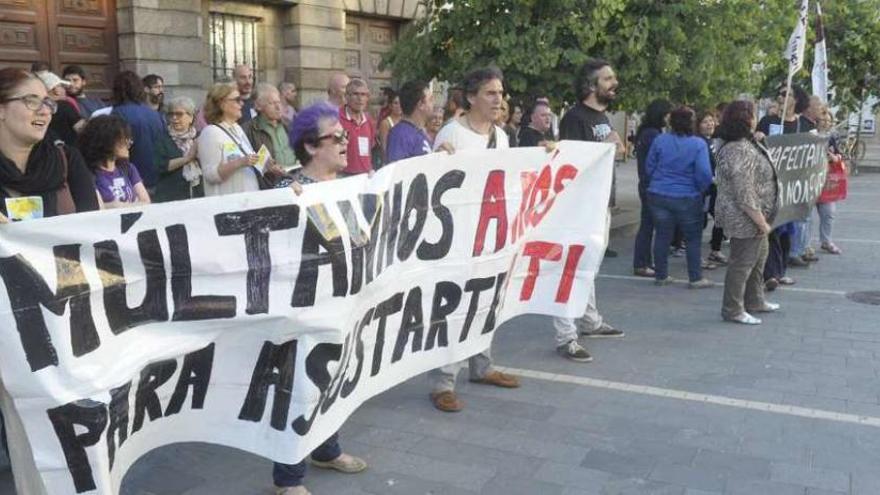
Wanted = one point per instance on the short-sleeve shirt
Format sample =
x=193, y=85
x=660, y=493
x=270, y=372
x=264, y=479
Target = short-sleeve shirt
x=117, y=185
x=406, y=141
x=583, y=123
x=462, y=138
x=361, y=139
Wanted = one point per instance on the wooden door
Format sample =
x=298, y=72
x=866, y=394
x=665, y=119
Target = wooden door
x=24, y=32
x=366, y=40
x=62, y=32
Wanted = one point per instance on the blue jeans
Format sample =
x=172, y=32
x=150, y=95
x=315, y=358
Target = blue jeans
x=799, y=239
x=642, y=249
x=687, y=215
x=293, y=474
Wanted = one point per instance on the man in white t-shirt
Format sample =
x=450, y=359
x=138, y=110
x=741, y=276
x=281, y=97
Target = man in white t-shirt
x=484, y=92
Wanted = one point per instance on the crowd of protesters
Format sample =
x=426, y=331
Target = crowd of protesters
x=78, y=153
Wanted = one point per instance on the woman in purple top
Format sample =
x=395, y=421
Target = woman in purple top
x=105, y=143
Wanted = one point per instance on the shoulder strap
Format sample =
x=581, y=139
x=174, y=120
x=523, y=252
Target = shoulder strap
x=62, y=149
x=492, y=144
x=237, y=144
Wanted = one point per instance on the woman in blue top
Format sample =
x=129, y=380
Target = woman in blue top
x=678, y=174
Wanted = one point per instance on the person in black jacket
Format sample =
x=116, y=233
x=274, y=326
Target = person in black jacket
x=536, y=132
x=656, y=115
x=32, y=163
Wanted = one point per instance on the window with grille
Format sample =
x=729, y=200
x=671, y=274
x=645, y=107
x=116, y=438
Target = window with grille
x=233, y=42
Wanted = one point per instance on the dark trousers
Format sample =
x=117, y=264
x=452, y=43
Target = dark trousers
x=3, y=435
x=642, y=252
x=686, y=214
x=780, y=245
x=717, y=238
x=717, y=233
x=293, y=474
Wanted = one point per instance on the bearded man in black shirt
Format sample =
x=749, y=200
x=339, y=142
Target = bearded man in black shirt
x=596, y=87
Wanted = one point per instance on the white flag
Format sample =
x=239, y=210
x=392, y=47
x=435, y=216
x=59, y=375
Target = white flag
x=820, y=60
x=794, y=53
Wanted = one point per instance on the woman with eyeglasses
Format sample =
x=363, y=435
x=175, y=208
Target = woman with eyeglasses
x=227, y=158
x=180, y=175
x=50, y=177
x=105, y=144
x=320, y=144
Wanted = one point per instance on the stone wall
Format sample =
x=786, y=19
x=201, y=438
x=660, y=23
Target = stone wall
x=301, y=42
x=165, y=37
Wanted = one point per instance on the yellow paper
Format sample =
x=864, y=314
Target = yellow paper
x=24, y=208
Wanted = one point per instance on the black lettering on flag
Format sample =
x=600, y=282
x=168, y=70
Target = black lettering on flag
x=146, y=400
x=255, y=225
x=317, y=250
x=412, y=322
x=186, y=306
x=416, y=204
x=351, y=383
x=118, y=424
x=476, y=286
x=275, y=368
x=385, y=309
x=196, y=374
x=28, y=292
x=447, y=296
x=316, y=369
x=89, y=415
x=154, y=307
x=390, y=223
x=428, y=251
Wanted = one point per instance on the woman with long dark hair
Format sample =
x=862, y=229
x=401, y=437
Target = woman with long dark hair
x=652, y=126
x=745, y=209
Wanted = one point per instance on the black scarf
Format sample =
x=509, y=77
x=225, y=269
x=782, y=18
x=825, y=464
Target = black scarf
x=44, y=172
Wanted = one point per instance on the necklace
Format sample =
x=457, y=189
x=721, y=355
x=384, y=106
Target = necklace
x=467, y=120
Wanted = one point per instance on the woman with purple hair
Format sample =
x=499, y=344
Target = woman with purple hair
x=319, y=142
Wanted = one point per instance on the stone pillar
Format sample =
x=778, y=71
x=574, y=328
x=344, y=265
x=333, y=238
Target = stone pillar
x=167, y=38
x=313, y=37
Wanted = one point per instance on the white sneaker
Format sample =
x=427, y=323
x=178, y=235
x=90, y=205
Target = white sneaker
x=744, y=318
x=769, y=307
x=292, y=490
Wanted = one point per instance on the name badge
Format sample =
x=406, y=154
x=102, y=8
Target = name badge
x=364, y=146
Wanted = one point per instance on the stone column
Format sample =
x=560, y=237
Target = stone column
x=167, y=38
x=313, y=37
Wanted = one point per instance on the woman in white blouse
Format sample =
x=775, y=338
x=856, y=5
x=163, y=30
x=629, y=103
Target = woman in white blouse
x=226, y=156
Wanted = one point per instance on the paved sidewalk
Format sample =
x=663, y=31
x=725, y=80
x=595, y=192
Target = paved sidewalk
x=684, y=405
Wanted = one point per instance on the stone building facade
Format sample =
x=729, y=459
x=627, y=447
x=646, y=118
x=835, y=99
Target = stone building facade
x=191, y=43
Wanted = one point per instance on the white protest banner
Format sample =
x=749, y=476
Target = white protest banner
x=261, y=321
x=797, y=42
x=819, y=75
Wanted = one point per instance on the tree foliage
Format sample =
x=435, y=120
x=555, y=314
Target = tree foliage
x=694, y=51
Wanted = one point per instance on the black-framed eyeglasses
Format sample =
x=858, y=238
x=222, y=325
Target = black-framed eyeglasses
x=338, y=137
x=35, y=103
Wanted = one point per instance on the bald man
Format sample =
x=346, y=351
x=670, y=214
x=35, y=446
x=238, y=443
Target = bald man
x=336, y=89
x=243, y=76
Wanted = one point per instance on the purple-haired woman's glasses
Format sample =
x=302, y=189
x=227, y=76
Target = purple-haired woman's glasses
x=338, y=137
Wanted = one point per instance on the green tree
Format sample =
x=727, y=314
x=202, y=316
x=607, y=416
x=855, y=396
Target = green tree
x=852, y=36
x=693, y=51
